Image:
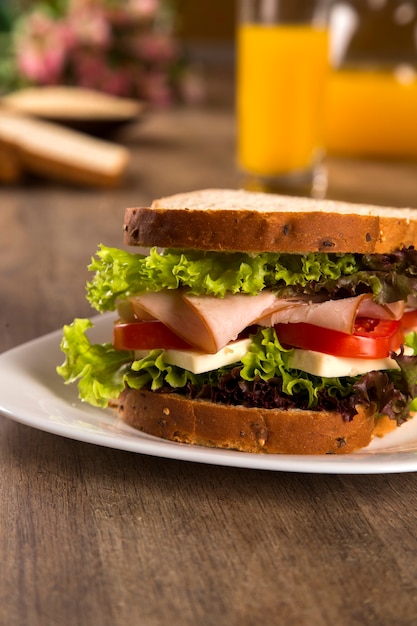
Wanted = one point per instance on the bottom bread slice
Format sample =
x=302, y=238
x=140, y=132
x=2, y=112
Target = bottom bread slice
x=276, y=431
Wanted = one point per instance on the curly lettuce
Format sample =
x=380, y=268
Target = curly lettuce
x=121, y=274
x=99, y=368
x=267, y=359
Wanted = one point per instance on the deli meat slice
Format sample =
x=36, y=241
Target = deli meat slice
x=391, y=311
x=209, y=323
x=206, y=322
x=168, y=307
x=333, y=314
x=226, y=317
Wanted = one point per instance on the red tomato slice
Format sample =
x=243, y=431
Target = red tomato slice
x=146, y=336
x=409, y=320
x=371, y=339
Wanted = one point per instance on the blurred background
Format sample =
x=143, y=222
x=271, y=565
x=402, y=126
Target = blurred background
x=50, y=41
x=181, y=54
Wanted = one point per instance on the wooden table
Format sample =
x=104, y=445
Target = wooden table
x=92, y=535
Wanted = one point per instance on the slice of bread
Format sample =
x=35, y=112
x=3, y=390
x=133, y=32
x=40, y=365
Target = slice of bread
x=60, y=153
x=273, y=431
x=10, y=167
x=238, y=220
x=59, y=102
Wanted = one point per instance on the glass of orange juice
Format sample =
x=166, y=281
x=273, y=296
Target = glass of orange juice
x=282, y=65
x=371, y=102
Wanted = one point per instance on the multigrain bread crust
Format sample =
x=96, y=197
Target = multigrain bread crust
x=273, y=431
x=242, y=221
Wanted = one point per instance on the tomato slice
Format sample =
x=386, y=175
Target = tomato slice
x=146, y=335
x=371, y=339
x=409, y=320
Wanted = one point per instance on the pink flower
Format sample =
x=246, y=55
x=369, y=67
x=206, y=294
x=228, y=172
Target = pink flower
x=92, y=70
x=117, y=82
x=142, y=8
x=89, y=24
x=156, y=47
x=87, y=67
x=132, y=12
x=41, y=48
x=122, y=47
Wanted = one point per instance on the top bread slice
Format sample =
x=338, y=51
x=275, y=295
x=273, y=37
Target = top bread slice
x=239, y=220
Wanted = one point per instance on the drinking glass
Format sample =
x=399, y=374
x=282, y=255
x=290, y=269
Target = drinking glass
x=282, y=65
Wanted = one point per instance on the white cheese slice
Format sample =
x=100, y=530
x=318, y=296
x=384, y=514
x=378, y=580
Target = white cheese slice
x=328, y=366
x=198, y=362
x=316, y=363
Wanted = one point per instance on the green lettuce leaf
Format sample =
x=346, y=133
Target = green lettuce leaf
x=120, y=274
x=152, y=371
x=266, y=359
x=408, y=367
x=99, y=368
x=411, y=341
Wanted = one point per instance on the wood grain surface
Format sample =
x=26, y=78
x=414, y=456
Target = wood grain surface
x=90, y=535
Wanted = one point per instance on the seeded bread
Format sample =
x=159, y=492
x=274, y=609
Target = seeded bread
x=274, y=431
x=238, y=220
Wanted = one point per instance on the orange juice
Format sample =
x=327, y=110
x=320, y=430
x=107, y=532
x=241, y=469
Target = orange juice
x=372, y=113
x=281, y=76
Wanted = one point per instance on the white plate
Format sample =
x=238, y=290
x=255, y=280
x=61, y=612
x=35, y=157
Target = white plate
x=32, y=393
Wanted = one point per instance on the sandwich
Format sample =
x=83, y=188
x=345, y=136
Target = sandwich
x=254, y=322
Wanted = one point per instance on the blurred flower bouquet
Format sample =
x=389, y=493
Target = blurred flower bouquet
x=125, y=48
